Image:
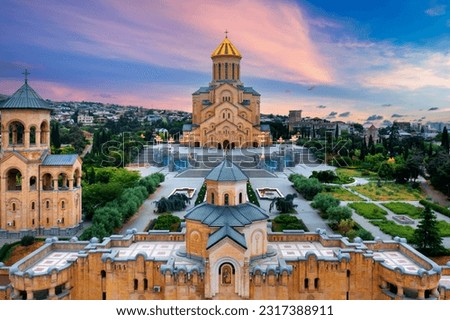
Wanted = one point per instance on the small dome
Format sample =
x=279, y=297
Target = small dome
x=226, y=48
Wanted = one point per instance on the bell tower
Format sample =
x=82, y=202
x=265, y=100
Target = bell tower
x=226, y=63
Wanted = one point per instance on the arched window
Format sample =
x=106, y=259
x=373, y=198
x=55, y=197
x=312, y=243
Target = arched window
x=45, y=133
x=47, y=206
x=135, y=284
x=212, y=198
x=33, y=183
x=226, y=70
x=47, y=182
x=16, y=131
x=226, y=199
x=220, y=71
x=33, y=135
x=103, y=274
x=33, y=205
x=233, y=75
x=63, y=204
x=240, y=197
x=145, y=284
x=63, y=181
x=76, y=178
x=13, y=206
x=316, y=283
x=14, y=177
x=306, y=283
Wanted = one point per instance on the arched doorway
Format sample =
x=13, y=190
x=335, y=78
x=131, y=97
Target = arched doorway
x=226, y=278
x=226, y=144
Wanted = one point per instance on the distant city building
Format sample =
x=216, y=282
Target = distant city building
x=371, y=131
x=295, y=116
x=41, y=192
x=85, y=120
x=226, y=114
x=226, y=250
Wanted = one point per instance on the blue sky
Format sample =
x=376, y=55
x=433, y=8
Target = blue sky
x=344, y=60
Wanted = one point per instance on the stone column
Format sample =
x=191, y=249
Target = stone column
x=400, y=292
x=70, y=184
x=38, y=138
x=26, y=138
x=421, y=294
x=55, y=184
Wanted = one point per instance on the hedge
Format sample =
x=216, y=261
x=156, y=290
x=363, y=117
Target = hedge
x=436, y=207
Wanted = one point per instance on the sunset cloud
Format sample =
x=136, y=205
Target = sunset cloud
x=156, y=33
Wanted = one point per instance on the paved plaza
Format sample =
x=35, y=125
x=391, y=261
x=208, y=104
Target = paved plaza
x=258, y=178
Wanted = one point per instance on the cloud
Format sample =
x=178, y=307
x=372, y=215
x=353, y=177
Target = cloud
x=433, y=109
x=321, y=107
x=374, y=118
x=345, y=114
x=332, y=115
x=386, y=105
x=165, y=33
x=436, y=11
x=396, y=115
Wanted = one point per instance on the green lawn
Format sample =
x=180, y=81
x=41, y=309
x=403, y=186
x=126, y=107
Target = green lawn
x=404, y=209
x=388, y=191
x=357, y=173
x=341, y=194
x=369, y=211
x=393, y=229
x=444, y=228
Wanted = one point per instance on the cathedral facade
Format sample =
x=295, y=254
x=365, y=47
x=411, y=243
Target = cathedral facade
x=40, y=192
x=226, y=114
x=225, y=250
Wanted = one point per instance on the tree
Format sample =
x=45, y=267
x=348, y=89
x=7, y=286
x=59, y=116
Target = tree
x=284, y=204
x=337, y=214
x=426, y=237
x=445, y=142
x=371, y=145
x=55, y=139
x=323, y=201
x=386, y=171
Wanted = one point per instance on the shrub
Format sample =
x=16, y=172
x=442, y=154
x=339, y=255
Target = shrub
x=308, y=188
x=252, y=195
x=287, y=222
x=201, y=194
x=324, y=201
x=167, y=222
x=436, y=207
x=337, y=214
x=27, y=241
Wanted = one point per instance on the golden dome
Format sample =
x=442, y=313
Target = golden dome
x=226, y=48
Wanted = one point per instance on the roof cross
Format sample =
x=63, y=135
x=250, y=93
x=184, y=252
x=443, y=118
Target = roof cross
x=226, y=33
x=26, y=73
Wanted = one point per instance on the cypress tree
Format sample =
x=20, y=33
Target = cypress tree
x=445, y=143
x=426, y=236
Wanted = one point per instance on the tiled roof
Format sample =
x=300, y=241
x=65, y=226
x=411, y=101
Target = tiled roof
x=224, y=232
x=203, y=90
x=187, y=127
x=226, y=171
x=219, y=216
x=249, y=90
x=25, y=98
x=60, y=160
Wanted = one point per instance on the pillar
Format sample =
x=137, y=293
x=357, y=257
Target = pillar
x=26, y=138
x=55, y=184
x=38, y=138
x=421, y=294
x=70, y=184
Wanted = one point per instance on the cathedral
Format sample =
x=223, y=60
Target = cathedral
x=226, y=114
x=225, y=250
x=40, y=191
